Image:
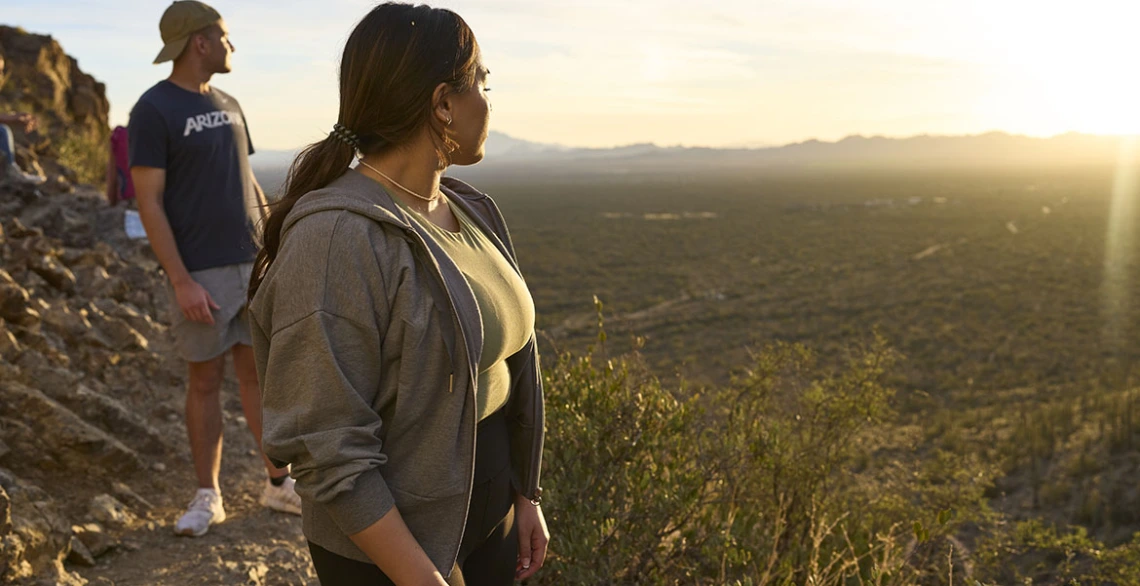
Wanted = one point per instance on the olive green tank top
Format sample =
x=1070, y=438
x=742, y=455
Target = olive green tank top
x=504, y=302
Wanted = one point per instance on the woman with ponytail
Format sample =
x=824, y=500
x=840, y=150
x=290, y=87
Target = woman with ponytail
x=393, y=332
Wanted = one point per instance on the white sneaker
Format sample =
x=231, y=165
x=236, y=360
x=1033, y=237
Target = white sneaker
x=205, y=510
x=282, y=498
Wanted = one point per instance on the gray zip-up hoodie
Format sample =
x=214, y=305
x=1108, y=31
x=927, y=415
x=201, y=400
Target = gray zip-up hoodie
x=367, y=338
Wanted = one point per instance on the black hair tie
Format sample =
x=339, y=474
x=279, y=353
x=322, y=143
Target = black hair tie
x=346, y=136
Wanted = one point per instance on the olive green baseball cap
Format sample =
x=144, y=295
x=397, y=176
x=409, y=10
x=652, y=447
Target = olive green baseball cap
x=182, y=19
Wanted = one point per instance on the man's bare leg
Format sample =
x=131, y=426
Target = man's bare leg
x=246, y=370
x=204, y=419
x=279, y=493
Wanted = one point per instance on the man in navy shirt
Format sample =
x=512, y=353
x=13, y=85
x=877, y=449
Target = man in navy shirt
x=199, y=201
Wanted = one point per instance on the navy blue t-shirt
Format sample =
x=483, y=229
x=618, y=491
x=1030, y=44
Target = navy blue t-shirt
x=203, y=143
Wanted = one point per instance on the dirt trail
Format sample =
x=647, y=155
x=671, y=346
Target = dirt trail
x=254, y=545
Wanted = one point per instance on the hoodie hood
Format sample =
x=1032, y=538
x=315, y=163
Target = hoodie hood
x=351, y=192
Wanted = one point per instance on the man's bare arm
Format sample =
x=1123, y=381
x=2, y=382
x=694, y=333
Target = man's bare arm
x=149, y=185
x=26, y=121
x=192, y=298
x=262, y=201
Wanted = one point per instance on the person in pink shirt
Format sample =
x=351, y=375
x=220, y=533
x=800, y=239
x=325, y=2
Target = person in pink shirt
x=119, y=184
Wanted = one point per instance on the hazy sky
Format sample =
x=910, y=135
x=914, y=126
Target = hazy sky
x=741, y=72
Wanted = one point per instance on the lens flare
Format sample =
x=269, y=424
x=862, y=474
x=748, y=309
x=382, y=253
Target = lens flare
x=1119, y=246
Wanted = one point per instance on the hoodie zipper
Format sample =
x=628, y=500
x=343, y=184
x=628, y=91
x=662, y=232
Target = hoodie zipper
x=421, y=249
x=530, y=483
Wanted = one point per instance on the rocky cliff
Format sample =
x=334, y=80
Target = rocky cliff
x=94, y=464
x=79, y=331
x=80, y=335
x=71, y=107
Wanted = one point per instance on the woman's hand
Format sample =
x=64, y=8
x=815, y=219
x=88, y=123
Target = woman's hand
x=533, y=537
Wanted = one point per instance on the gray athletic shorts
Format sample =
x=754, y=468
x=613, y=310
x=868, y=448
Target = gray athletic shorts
x=199, y=342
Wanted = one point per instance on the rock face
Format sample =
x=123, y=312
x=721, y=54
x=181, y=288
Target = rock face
x=71, y=106
x=34, y=533
x=82, y=344
x=82, y=337
x=93, y=452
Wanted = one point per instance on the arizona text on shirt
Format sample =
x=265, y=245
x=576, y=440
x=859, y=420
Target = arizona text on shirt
x=213, y=119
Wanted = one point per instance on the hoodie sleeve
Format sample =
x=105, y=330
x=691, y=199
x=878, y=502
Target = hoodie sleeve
x=321, y=376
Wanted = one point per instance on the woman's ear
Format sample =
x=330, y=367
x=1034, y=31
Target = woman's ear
x=442, y=100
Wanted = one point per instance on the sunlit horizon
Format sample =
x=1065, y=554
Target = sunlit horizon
x=740, y=74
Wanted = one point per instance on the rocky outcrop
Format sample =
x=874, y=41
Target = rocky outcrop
x=92, y=441
x=70, y=105
x=34, y=534
x=81, y=337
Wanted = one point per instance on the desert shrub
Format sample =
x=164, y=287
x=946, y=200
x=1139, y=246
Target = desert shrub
x=624, y=452
x=771, y=479
x=87, y=158
x=1035, y=552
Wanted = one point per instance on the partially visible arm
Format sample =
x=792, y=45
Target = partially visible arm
x=149, y=143
x=320, y=379
x=149, y=185
x=193, y=299
x=262, y=201
x=27, y=121
x=534, y=537
x=112, y=177
x=393, y=548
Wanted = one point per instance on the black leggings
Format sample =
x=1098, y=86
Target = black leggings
x=489, y=552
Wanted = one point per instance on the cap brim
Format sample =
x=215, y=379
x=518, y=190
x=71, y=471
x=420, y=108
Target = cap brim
x=172, y=50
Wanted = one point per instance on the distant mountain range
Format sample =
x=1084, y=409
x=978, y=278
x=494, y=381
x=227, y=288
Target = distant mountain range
x=990, y=149
x=499, y=147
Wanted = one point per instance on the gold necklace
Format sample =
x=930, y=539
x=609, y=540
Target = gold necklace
x=394, y=182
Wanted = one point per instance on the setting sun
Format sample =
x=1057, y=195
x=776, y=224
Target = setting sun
x=1078, y=65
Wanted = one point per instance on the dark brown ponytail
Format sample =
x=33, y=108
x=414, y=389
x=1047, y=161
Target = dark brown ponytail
x=393, y=61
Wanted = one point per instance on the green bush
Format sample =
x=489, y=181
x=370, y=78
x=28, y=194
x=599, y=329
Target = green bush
x=771, y=479
x=1033, y=552
x=88, y=159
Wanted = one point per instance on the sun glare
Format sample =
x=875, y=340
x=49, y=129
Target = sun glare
x=654, y=65
x=1115, y=297
x=1078, y=61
